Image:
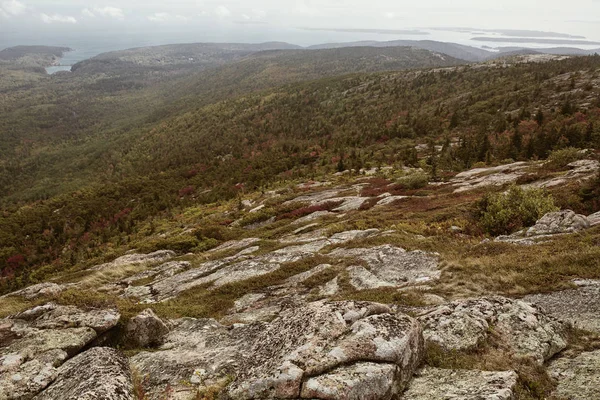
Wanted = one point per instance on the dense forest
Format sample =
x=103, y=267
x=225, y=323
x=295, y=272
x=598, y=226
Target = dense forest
x=86, y=159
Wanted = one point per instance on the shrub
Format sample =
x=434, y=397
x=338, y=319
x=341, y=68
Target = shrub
x=180, y=244
x=217, y=232
x=504, y=213
x=417, y=180
x=257, y=217
x=559, y=159
x=303, y=211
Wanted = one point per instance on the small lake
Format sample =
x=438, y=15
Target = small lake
x=57, y=68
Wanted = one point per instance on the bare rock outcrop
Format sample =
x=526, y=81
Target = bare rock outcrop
x=100, y=373
x=435, y=383
x=237, y=268
x=565, y=221
x=578, y=378
x=46, y=289
x=594, y=219
x=554, y=223
x=492, y=176
x=326, y=349
x=579, y=307
x=195, y=353
x=36, y=342
x=525, y=329
x=137, y=259
x=391, y=266
x=579, y=171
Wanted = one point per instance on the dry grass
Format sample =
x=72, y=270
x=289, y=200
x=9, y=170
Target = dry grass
x=518, y=270
x=14, y=305
x=204, y=302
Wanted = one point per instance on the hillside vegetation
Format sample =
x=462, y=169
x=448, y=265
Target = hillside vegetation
x=86, y=162
x=382, y=223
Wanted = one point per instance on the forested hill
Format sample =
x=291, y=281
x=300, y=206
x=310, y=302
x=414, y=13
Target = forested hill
x=117, y=157
x=57, y=128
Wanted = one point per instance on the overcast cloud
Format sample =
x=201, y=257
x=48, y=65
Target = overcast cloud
x=577, y=17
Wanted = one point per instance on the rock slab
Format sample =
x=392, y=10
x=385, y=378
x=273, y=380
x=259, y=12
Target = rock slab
x=434, y=383
x=578, y=378
x=328, y=349
x=100, y=373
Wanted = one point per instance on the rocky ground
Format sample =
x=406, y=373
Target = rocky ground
x=360, y=294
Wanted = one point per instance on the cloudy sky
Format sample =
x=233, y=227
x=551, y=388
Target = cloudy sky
x=578, y=17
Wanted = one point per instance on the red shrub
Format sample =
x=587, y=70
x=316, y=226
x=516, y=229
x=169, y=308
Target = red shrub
x=186, y=191
x=301, y=212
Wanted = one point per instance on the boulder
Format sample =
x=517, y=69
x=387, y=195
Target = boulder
x=98, y=374
x=145, y=330
x=393, y=266
x=554, y=223
x=565, y=221
x=37, y=341
x=525, y=329
x=328, y=348
x=434, y=383
x=578, y=378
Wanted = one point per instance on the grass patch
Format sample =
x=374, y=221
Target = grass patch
x=383, y=296
x=518, y=270
x=204, y=303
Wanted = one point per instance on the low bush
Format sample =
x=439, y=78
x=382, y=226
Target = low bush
x=414, y=181
x=505, y=213
x=257, y=217
x=181, y=244
x=303, y=211
x=559, y=159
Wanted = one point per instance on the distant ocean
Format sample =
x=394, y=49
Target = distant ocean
x=89, y=44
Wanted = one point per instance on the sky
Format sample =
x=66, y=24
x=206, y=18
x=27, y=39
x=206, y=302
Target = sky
x=245, y=20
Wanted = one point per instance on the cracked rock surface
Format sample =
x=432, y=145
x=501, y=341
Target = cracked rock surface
x=578, y=378
x=322, y=350
x=317, y=351
x=434, y=383
x=100, y=373
x=525, y=329
x=36, y=342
